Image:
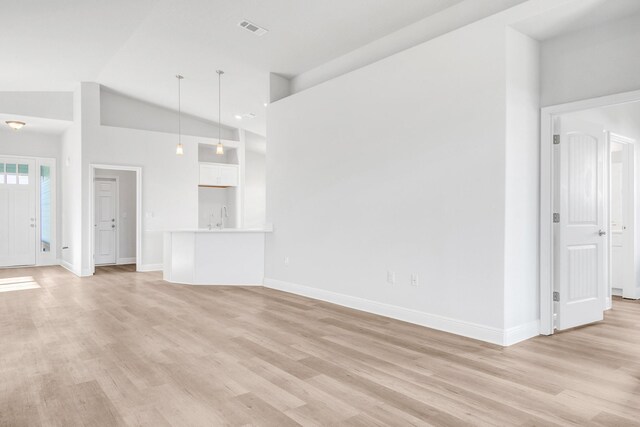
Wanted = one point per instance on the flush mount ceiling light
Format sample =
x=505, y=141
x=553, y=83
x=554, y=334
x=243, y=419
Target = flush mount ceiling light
x=15, y=124
x=179, y=148
x=219, y=147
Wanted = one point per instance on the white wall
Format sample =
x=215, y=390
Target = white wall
x=71, y=190
x=398, y=166
x=590, y=63
x=24, y=143
x=210, y=203
x=522, y=186
x=255, y=190
x=126, y=212
x=169, y=182
x=50, y=105
x=426, y=29
x=122, y=111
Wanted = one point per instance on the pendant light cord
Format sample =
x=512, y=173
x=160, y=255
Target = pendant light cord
x=219, y=106
x=179, y=111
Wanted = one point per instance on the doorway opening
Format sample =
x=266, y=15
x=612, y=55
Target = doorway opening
x=116, y=203
x=588, y=226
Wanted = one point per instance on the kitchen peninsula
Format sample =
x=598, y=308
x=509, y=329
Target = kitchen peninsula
x=230, y=256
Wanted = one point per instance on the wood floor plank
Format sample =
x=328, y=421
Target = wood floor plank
x=126, y=348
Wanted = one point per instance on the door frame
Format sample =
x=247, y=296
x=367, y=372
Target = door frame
x=547, y=119
x=92, y=176
x=116, y=179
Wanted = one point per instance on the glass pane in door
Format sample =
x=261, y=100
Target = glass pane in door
x=45, y=208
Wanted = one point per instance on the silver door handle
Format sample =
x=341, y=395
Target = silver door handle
x=602, y=233
x=113, y=226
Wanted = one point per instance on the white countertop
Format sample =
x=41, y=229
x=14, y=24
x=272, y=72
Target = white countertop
x=224, y=230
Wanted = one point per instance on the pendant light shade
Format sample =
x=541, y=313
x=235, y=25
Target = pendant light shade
x=179, y=148
x=219, y=147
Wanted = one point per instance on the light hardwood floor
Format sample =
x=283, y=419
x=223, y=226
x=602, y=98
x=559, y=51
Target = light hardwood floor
x=125, y=348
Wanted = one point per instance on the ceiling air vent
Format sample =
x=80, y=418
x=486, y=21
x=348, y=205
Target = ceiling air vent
x=250, y=26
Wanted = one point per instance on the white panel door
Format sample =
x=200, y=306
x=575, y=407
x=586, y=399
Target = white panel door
x=105, y=222
x=17, y=212
x=581, y=234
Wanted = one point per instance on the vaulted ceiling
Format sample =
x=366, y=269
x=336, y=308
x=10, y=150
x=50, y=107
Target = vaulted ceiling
x=136, y=47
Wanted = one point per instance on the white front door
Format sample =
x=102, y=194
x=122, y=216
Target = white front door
x=17, y=212
x=580, y=235
x=105, y=222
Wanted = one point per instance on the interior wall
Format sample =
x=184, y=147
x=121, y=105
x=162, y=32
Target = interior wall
x=418, y=186
x=122, y=111
x=594, y=62
x=126, y=213
x=169, y=182
x=210, y=203
x=24, y=143
x=71, y=186
x=255, y=190
x=522, y=185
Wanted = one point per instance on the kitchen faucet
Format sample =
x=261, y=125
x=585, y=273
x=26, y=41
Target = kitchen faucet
x=223, y=215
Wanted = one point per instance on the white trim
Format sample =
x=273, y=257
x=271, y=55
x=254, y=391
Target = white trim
x=78, y=272
x=149, y=267
x=130, y=260
x=467, y=329
x=547, y=115
x=138, y=171
x=522, y=332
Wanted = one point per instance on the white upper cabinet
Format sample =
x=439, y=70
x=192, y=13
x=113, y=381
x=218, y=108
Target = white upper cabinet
x=218, y=175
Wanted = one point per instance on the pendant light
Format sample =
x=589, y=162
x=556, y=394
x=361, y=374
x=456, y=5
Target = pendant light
x=179, y=148
x=219, y=147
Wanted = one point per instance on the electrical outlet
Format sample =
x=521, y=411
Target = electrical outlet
x=391, y=277
x=414, y=279
x=286, y=260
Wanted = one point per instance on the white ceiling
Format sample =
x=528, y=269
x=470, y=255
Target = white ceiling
x=575, y=16
x=137, y=46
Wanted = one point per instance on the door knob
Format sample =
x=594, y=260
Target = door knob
x=602, y=233
x=113, y=226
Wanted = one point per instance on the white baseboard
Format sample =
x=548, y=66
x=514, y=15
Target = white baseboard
x=616, y=292
x=150, y=267
x=468, y=329
x=77, y=271
x=130, y=260
x=635, y=294
x=520, y=333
